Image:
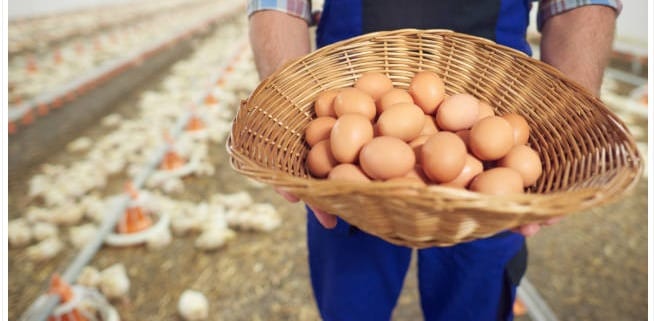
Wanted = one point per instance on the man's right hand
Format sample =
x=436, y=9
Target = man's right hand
x=326, y=220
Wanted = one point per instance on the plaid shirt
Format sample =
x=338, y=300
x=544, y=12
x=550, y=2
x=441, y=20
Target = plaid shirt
x=547, y=8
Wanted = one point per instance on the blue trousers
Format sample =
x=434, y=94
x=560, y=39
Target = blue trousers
x=357, y=276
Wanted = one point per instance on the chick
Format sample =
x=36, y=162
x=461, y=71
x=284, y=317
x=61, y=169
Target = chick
x=193, y=306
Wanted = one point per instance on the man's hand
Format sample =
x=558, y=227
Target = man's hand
x=533, y=228
x=326, y=220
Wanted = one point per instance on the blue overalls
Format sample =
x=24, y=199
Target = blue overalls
x=356, y=276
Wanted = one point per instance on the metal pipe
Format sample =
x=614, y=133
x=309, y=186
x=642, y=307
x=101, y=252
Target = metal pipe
x=536, y=306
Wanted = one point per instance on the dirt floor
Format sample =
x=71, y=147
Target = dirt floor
x=591, y=266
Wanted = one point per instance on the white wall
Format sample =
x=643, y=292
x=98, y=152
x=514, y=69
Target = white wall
x=632, y=22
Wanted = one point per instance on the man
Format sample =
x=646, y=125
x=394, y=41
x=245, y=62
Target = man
x=356, y=276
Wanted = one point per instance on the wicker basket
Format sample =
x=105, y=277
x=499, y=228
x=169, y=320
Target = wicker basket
x=588, y=155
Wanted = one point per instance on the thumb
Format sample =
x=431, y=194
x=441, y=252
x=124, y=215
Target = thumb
x=327, y=220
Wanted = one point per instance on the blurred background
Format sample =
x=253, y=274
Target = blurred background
x=118, y=113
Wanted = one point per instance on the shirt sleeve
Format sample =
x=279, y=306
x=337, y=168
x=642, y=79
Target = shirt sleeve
x=298, y=8
x=550, y=8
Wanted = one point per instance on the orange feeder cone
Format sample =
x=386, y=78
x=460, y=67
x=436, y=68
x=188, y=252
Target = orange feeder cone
x=210, y=100
x=17, y=100
x=11, y=128
x=195, y=123
x=70, y=96
x=171, y=159
x=135, y=218
x=519, y=308
x=28, y=117
x=58, y=102
x=65, y=292
x=32, y=66
x=42, y=109
x=58, y=58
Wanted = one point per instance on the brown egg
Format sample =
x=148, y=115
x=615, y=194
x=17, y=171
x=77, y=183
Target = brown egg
x=465, y=137
x=485, y=110
x=427, y=90
x=404, y=121
x=348, y=172
x=354, y=101
x=392, y=97
x=416, y=144
x=430, y=126
x=498, y=181
x=472, y=168
x=525, y=161
x=520, y=128
x=319, y=129
x=375, y=84
x=320, y=160
x=491, y=138
x=457, y=112
x=386, y=157
x=418, y=173
x=349, y=133
x=324, y=106
x=443, y=156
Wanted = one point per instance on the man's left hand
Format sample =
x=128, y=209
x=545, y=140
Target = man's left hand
x=530, y=229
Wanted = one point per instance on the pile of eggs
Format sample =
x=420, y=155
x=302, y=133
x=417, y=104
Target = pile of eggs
x=373, y=131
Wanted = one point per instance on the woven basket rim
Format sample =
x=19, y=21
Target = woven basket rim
x=517, y=54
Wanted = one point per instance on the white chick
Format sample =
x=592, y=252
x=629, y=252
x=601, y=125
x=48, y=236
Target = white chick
x=68, y=214
x=89, y=277
x=111, y=120
x=193, y=306
x=19, y=232
x=258, y=217
x=182, y=225
x=233, y=201
x=39, y=184
x=114, y=282
x=38, y=214
x=82, y=235
x=173, y=185
x=214, y=238
x=45, y=249
x=43, y=230
x=55, y=197
x=159, y=239
x=266, y=215
x=79, y=144
x=94, y=208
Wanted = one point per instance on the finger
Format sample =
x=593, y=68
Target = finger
x=553, y=221
x=528, y=229
x=286, y=195
x=327, y=220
